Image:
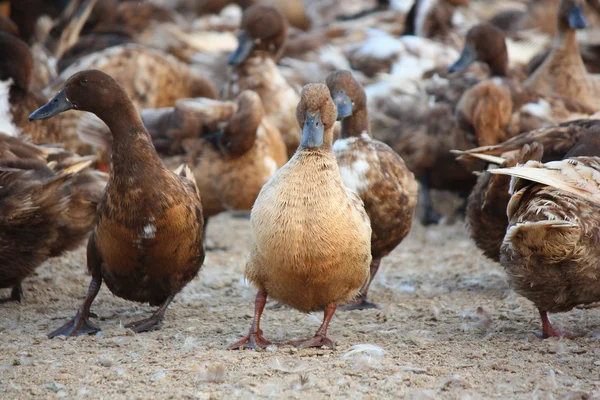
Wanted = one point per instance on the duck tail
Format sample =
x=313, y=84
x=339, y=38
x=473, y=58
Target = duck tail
x=547, y=241
x=185, y=171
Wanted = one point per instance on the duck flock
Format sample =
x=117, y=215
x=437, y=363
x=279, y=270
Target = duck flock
x=128, y=125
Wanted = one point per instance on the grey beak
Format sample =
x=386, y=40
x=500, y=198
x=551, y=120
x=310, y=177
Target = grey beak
x=58, y=104
x=576, y=18
x=343, y=104
x=312, y=131
x=245, y=47
x=467, y=57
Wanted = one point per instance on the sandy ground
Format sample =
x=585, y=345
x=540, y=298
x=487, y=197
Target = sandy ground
x=428, y=340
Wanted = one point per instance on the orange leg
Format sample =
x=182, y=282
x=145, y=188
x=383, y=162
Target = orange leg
x=320, y=339
x=254, y=340
x=549, y=331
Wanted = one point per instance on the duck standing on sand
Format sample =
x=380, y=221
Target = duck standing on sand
x=147, y=244
x=312, y=236
x=46, y=207
x=375, y=172
x=550, y=250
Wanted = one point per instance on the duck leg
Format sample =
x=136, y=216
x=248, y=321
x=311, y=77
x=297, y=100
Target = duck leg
x=320, y=339
x=155, y=320
x=81, y=325
x=16, y=294
x=254, y=340
x=430, y=216
x=549, y=331
x=360, y=302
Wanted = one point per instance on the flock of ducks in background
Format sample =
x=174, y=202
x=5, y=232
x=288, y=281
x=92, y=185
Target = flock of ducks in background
x=195, y=107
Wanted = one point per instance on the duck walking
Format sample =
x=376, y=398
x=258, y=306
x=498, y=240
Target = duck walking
x=312, y=236
x=375, y=172
x=147, y=244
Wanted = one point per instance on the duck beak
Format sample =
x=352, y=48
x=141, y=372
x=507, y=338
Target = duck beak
x=245, y=47
x=343, y=104
x=312, y=132
x=58, y=104
x=467, y=57
x=576, y=17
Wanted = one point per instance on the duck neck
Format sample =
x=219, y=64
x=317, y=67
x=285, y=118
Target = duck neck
x=356, y=124
x=499, y=65
x=131, y=142
x=565, y=43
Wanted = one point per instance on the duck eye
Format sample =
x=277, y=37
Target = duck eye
x=84, y=82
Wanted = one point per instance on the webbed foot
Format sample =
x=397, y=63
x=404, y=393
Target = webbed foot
x=78, y=326
x=254, y=341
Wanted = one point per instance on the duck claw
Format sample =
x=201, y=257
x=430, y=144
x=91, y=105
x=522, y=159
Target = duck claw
x=145, y=325
x=253, y=342
x=76, y=327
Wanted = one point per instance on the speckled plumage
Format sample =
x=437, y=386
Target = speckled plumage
x=550, y=250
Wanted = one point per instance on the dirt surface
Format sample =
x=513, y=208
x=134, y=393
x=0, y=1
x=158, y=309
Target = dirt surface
x=428, y=340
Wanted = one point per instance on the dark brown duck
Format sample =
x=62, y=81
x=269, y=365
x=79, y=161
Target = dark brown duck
x=46, y=207
x=147, y=244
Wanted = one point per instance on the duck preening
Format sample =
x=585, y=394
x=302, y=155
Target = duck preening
x=550, y=250
x=147, y=244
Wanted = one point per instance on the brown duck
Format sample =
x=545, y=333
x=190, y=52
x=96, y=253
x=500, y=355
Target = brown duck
x=147, y=244
x=230, y=164
x=563, y=72
x=375, y=172
x=551, y=247
x=312, y=236
x=262, y=39
x=48, y=207
x=486, y=207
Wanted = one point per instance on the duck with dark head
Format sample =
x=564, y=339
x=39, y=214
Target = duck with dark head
x=262, y=38
x=147, y=244
x=375, y=172
x=311, y=247
x=16, y=97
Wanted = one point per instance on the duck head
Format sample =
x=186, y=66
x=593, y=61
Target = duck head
x=351, y=102
x=238, y=137
x=571, y=15
x=95, y=92
x=16, y=63
x=316, y=114
x=264, y=30
x=484, y=43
